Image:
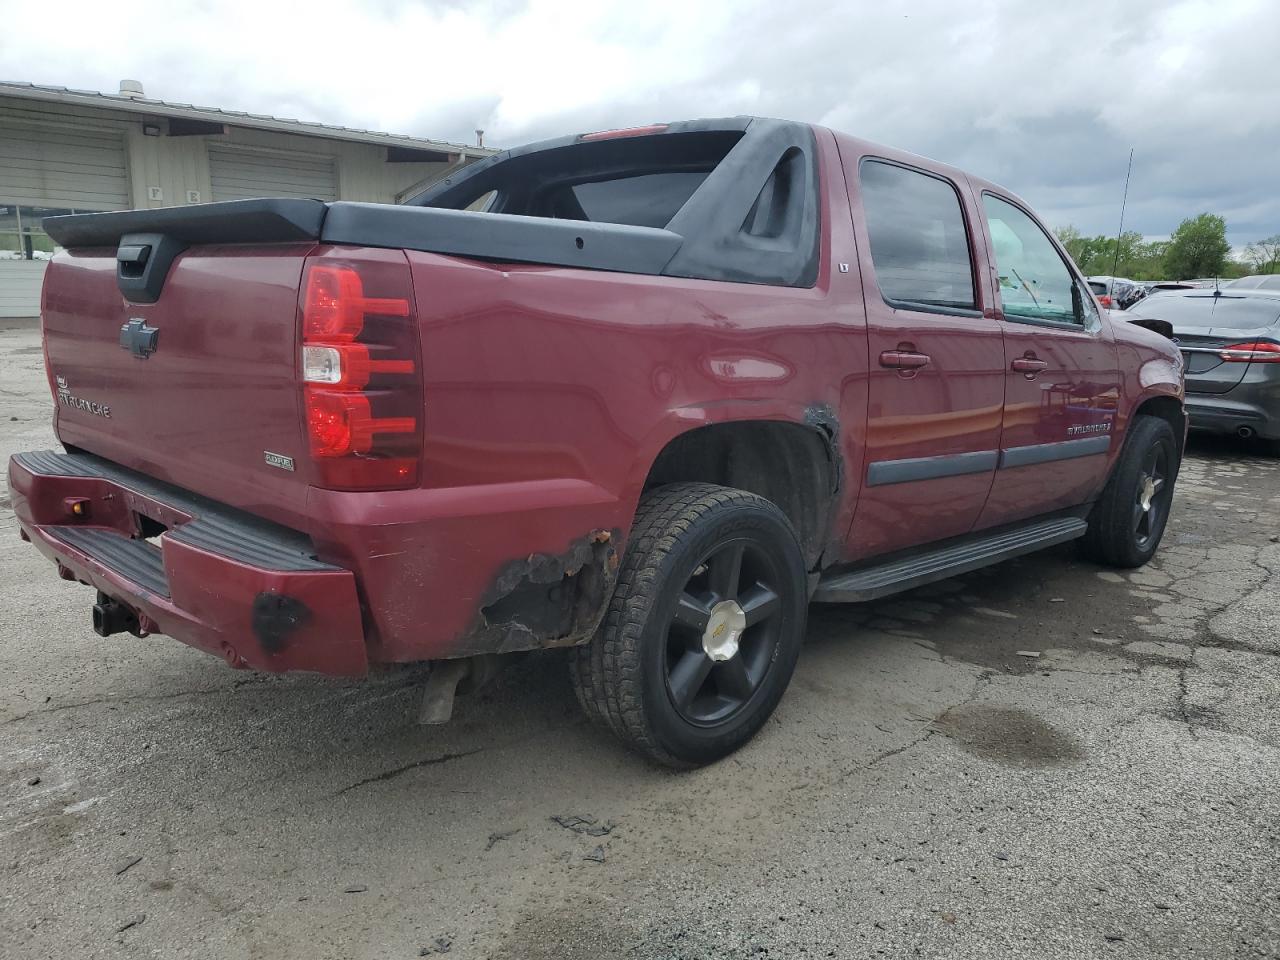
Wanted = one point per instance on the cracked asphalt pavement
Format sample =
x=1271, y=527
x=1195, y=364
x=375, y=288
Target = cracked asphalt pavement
x=924, y=790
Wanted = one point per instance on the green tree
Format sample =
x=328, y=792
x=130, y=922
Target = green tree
x=1083, y=250
x=1264, y=256
x=1138, y=259
x=1198, y=248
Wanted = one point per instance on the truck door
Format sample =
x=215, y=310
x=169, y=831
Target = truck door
x=1062, y=376
x=936, y=381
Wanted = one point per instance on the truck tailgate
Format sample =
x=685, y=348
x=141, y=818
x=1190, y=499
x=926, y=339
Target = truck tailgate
x=214, y=405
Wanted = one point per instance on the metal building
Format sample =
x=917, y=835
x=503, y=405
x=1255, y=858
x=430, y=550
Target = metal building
x=74, y=150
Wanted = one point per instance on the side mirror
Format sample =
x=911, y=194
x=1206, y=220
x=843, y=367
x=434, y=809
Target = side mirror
x=1162, y=327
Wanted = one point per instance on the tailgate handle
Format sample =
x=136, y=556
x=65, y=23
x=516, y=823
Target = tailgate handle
x=132, y=258
x=142, y=263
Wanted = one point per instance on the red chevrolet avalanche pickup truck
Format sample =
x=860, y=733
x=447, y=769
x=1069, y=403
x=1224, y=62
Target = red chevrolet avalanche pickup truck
x=643, y=393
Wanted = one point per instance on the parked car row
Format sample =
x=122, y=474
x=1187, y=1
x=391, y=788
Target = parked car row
x=1121, y=293
x=1116, y=293
x=1265, y=281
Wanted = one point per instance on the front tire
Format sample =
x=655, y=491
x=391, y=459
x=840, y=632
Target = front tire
x=703, y=631
x=1129, y=519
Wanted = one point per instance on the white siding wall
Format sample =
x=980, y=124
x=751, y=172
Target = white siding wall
x=175, y=165
x=241, y=173
x=76, y=167
x=179, y=164
x=20, y=287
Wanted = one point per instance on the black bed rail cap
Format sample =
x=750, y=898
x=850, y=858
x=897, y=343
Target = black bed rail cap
x=270, y=220
x=502, y=238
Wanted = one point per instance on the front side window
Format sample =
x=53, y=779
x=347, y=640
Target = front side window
x=1035, y=283
x=919, y=245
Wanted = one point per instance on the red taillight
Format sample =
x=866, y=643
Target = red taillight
x=1262, y=351
x=1105, y=300
x=336, y=306
x=362, y=393
x=624, y=133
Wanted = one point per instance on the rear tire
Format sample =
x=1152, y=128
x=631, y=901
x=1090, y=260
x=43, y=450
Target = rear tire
x=1129, y=519
x=703, y=631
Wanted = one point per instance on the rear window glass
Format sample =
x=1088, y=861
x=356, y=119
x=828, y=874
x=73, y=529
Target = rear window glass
x=1098, y=288
x=1206, y=310
x=650, y=200
x=639, y=182
x=919, y=245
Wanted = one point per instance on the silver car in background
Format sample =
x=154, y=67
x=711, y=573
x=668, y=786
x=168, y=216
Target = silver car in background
x=1258, y=281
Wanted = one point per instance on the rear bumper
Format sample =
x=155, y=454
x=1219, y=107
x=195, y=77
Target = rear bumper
x=250, y=592
x=1253, y=404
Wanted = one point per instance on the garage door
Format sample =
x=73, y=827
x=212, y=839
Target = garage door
x=46, y=171
x=244, y=174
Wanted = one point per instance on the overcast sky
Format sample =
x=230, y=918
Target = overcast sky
x=1045, y=98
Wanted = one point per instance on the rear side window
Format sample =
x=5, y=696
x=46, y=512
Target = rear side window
x=1035, y=283
x=919, y=245
x=1098, y=287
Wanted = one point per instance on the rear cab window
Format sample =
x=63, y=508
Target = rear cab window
x=648, y=200
x=742, y=195
x=919, y=242
x=641, y=182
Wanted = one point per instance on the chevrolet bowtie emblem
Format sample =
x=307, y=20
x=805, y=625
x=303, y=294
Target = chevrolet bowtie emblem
x=138, y=338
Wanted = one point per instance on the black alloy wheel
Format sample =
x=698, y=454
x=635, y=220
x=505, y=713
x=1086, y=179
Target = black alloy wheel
x=1154, y=493
x=723, y=632
x=1130, y=516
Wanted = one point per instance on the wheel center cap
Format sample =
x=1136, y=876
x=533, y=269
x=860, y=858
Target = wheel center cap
x=724, y=629
x=1148, y=493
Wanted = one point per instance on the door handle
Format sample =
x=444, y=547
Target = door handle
x=1029, y=364
x=903, y=359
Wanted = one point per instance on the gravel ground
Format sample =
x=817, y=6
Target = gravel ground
x=923, y=790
